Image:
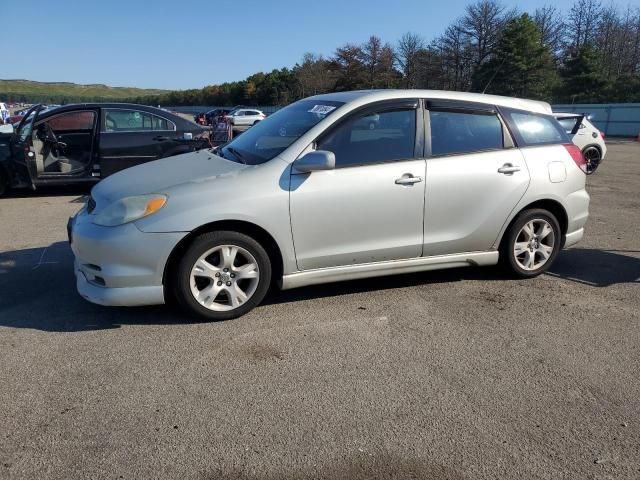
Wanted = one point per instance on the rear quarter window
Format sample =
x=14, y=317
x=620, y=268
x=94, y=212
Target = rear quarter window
x=533, y=129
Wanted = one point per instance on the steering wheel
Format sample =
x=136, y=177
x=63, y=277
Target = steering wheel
x=51, y=136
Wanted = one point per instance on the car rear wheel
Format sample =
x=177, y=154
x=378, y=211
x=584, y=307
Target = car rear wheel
x=222, y=275
x=531, y=243
x=593, y=157
x=256, y=122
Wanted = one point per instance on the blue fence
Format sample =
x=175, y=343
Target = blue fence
x=614, y=119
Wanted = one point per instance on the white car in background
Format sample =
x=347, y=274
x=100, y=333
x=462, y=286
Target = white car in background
x=586, y=136
x=4, y=113
x=245, y=117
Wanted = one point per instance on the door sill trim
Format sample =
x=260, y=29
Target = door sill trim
x=392, y=267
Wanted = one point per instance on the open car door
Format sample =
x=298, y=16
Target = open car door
x=22, y=162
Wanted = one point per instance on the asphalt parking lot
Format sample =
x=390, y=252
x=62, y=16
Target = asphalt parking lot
x=459, y=374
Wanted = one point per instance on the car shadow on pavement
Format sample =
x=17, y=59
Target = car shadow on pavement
x=37, y=288
x=38, y=291
x=597, y=268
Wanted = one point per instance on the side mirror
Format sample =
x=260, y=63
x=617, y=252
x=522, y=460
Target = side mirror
x=8, y=128
x=318, y=160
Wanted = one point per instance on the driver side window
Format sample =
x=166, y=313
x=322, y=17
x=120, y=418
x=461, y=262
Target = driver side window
x=373, y=137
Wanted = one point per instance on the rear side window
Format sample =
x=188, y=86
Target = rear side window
x=133, y=121
x=536, y=129
x=464, y=132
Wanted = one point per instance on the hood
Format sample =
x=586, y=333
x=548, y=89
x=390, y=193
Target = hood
x=161, y=175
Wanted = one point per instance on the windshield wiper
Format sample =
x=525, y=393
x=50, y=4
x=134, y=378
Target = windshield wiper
x=237, y=154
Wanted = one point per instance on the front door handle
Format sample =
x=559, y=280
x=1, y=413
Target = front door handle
x=508, y=169
x=408, y=179
x=161, y=138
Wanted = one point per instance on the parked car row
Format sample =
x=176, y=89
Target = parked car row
x=364, y=184
x=87, y=142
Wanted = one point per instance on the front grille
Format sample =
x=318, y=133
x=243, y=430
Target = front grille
x=91, y=205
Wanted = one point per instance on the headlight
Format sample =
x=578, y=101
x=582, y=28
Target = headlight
x=129, y=209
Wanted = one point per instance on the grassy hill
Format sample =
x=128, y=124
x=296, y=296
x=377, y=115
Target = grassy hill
x=59, y=92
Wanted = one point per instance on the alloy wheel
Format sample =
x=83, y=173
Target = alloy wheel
x=224, y=278
x=592, y=156
x=534, y=244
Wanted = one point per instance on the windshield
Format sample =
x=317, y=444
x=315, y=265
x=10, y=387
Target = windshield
x=272, y=136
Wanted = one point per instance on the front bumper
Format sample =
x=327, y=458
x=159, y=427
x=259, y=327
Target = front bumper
x=119, y=266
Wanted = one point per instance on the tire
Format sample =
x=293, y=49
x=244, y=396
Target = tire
x=537, y=251
x=593, y=156
x=255, y=123
x=207, y=281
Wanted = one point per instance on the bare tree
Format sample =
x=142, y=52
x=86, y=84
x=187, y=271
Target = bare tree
x=408, y=52
x=552, y=28
x=377, y=59
x=583, y=22
x=456, y=52
x=482, y=23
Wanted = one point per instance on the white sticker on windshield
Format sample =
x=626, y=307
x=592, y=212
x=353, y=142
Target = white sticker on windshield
x=322, y=109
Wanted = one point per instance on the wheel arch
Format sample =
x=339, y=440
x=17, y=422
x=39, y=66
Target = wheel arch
x=552, y=206
x=256, y=232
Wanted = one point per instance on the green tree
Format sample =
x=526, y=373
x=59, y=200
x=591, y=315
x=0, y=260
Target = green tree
x=581, y=77
x=521, y=66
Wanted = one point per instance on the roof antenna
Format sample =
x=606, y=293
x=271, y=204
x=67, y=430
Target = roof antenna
x=493, y=76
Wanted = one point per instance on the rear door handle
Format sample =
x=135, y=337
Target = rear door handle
x=161, y=138
x=508, y=169
x=408, y=179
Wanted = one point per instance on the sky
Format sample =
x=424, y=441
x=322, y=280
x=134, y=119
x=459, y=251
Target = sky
x=192, y=43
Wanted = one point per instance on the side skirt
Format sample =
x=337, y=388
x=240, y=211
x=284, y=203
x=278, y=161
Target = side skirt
x=392, y=267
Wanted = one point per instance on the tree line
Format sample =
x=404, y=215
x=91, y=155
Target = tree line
x=589, y=54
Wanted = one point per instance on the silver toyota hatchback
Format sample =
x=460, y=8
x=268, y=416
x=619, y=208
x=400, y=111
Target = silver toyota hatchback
x=318, y=193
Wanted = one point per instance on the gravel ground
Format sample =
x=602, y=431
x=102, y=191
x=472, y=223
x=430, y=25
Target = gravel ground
x=457, y=374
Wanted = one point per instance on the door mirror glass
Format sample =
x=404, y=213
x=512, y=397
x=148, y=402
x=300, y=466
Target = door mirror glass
x=318, y=160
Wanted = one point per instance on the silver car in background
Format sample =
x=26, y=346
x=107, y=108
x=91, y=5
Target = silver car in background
x=309, y=196
x=245, y=117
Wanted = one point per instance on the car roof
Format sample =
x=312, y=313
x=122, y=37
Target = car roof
x=133, y=106
x=366, y=96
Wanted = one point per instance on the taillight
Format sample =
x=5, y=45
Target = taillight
x=602, y=135
x=576, y=155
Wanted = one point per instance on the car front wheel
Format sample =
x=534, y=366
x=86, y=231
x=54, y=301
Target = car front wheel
x=531, y=243
x=222, y=275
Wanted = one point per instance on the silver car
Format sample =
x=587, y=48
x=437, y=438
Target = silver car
x=308, y=196
x=245, y=117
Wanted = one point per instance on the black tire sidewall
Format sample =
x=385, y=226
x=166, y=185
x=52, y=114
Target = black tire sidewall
x=506, y=251
x=204, y=242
